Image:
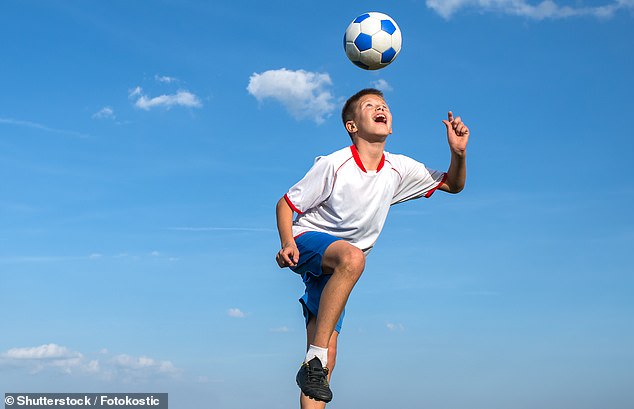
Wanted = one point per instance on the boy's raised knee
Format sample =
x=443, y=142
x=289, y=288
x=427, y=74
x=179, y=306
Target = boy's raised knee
x=344, y=257
x=354, y=260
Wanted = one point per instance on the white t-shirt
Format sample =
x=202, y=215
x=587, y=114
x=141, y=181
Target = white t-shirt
x=340, y=197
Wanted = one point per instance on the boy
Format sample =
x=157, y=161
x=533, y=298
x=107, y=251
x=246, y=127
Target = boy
x=342, y=203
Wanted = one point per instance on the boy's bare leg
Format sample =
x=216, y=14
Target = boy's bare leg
x=304, y=401
x=346, y=263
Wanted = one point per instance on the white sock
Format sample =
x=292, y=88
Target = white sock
x=321, y=353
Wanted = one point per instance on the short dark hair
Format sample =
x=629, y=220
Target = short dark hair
x=347, y=112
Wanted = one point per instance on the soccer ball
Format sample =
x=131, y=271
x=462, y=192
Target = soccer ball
x=372, y=40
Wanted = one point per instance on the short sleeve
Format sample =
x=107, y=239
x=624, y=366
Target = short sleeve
x=416, y=180
x=314, y=188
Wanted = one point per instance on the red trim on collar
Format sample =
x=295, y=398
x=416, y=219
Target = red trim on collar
x=357, y=159
x=381, y=163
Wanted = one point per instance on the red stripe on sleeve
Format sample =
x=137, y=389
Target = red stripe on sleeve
x=291, y=205
x=431, y=192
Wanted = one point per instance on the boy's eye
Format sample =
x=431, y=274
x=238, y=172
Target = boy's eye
x=373, y=106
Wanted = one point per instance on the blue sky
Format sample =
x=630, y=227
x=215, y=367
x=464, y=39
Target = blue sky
x=141, y=165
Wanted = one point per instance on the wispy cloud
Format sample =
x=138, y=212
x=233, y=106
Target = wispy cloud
x=182, y=98
x=34, y=125
x=135, y=92
x=541, y=10
x=165, y=79
x=306, y=95
x=104, y=113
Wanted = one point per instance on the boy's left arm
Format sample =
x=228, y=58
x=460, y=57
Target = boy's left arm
x=457, y=137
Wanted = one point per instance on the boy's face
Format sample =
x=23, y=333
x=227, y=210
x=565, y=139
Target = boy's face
x=372, y=117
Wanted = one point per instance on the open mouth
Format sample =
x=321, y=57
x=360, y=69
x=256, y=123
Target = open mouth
x=380, y=118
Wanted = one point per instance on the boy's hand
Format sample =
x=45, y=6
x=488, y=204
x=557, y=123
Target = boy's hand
x=288, y=256
x=457, y=134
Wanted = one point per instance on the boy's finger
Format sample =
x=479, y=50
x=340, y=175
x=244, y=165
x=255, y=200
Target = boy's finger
x=291, y=257
x=280, y=261
x=450, y=116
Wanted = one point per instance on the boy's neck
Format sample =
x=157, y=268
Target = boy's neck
x=370, y=153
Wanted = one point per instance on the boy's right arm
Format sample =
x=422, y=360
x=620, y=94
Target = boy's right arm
x=288, y=256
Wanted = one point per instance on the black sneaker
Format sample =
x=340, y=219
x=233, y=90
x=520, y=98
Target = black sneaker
x=312, y=379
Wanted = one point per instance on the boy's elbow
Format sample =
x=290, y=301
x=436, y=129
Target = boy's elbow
x=455, y=188
x=454, y=183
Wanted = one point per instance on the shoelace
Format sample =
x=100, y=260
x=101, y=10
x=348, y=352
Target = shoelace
x=317, y=375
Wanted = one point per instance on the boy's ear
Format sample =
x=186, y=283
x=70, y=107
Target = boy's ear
x=351, y=127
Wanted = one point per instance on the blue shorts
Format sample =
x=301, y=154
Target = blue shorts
x=311, y=246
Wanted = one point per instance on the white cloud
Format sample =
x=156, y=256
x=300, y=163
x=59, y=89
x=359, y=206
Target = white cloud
x=382, y=85
x=144, y=365
x=104, y=113
x=306, y=95
x=545, y=9
x=56, y=358
x=236, y=313
x=180, y=98
x=47, y=351
x=38, y=359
